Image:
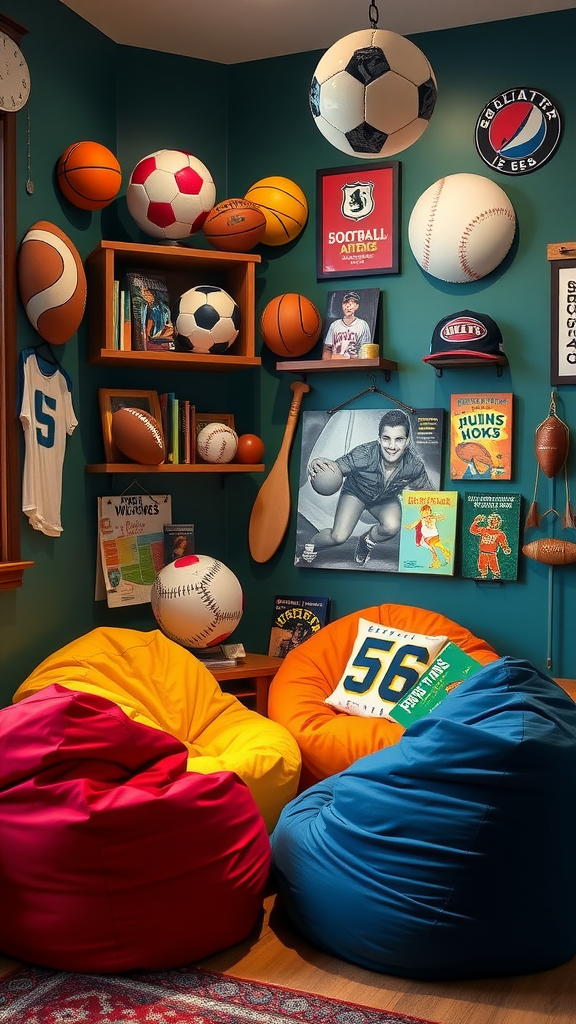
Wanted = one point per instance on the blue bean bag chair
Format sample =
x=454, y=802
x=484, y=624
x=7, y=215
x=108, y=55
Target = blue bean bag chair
x=450, y=854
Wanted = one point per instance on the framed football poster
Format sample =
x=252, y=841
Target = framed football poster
x=357, y=220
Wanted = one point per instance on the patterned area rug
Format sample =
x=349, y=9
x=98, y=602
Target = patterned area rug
x=182, y=996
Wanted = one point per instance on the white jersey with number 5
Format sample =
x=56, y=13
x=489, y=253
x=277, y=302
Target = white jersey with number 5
x=47, y=416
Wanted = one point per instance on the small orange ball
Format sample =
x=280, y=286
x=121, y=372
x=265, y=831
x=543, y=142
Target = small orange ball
x=250, y=449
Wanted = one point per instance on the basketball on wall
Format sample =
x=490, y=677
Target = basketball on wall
x=290, y=325
x=235, y=225
x=285, y=208
x=89, y=175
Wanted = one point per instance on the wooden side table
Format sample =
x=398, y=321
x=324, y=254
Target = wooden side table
x=250, y=680
x=569, y=685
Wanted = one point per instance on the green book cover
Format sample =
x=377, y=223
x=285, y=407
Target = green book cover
x=452, y=667
x=490, y=536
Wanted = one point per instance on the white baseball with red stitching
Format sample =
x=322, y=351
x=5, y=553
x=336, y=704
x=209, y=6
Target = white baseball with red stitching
x=217, y=443
x=461, y=228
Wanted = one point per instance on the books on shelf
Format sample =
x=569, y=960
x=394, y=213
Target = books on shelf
x=490, y=536
x=179, y=428
x=294, y=619
x=178, y=541
x=451, y=667
x=481, y=437
x=428, y=532
x=152, y=329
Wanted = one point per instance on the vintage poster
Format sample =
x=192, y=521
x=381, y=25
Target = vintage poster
x=131, y=544
x=481, y=437
x=428, y=532
x=354, y=465
x=294, y=619
x=490, y=536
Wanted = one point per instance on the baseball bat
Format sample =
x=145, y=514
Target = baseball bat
x=271, y=510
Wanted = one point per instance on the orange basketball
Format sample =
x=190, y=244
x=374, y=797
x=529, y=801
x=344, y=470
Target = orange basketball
x=89, y=175
x=290, y=325
x=235, y=225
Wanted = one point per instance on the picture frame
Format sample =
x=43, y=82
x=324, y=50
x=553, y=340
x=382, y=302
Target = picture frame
x=365, y=196
x=112, y=399
x=563, y=314
x=349, y=329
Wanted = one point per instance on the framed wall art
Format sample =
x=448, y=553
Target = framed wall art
x=357, y=220
x=112, y=399
x=563, y=313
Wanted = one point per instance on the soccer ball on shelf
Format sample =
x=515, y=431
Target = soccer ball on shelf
x=373, y=94
x=206, y=319
x=170, y=194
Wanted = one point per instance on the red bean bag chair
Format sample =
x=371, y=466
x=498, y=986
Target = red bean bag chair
x=114, y=855
x=329, y=739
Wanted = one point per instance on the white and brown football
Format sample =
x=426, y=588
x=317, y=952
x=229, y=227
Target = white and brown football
x=138, y=436
x=551, y=442
x=51, y=282
x=551, y=551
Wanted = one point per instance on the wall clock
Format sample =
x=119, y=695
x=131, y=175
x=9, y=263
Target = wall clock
x=14, y=75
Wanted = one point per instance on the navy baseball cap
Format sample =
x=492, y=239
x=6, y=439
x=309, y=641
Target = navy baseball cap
x=466, y=334
x=351, y=295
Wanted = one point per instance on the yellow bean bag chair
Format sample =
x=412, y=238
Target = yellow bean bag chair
x=160, y=684
x=331, y=740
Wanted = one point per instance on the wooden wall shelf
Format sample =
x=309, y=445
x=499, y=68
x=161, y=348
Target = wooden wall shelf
x=331, y=365
x=464, y=361
x=183, y=467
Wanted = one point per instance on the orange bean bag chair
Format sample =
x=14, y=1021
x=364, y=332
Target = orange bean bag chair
x=331, y=740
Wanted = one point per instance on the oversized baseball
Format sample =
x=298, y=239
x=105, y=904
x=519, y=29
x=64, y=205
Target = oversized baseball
x=197, y=601
x=217, y=443
x=461, y=227
x=52, y=282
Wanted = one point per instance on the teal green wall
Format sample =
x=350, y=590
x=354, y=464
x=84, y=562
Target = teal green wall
x=248, y=121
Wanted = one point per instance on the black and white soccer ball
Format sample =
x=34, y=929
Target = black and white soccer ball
x=206, y=319
x=373, y=94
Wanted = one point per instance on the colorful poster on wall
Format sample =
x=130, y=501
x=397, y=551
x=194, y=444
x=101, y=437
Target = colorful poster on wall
x=490, y=536
x=481, y=437
x=428, y=532
x=354, y=466
x=131, y=544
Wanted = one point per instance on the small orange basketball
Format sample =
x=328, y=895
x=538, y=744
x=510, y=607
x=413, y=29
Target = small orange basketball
x=89, y=175
x=235, y=225
x=290, y=325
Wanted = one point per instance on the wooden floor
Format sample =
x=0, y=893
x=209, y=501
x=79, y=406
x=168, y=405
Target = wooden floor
x=275, y=953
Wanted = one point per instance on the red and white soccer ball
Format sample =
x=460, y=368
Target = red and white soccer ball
x=197, y=601
x=170, y=194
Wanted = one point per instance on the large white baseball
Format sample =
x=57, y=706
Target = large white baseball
x=217, y=443
x=461, y=227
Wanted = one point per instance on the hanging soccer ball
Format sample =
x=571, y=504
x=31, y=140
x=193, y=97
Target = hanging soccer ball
x=206, y=319
x=373, y=94
x=170, y=194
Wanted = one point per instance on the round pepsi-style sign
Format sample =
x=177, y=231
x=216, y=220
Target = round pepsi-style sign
x=518, y=131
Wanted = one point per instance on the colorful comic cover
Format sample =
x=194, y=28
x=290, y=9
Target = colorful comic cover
x=294, y=619
x=481, y=437
x=152, y=328
x=490, y=536
x=452, y=667
x=428, y=532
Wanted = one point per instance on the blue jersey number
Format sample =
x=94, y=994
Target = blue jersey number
x=372, y=656
x=42, y=403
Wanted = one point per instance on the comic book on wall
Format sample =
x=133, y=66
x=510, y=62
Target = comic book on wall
x=428, y=532
x=481, y=437
x=294, y=619
x=490, y=536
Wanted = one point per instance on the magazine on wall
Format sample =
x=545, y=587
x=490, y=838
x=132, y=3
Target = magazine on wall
x=351, y=321
x=490, y=536
x=294, y=620
x=428, y=532
x=481, y=437
x=373, y=455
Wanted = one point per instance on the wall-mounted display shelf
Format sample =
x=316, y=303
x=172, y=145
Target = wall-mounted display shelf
x=167, y=467
x=329, y=365
x=182, y=268
x=463, y=361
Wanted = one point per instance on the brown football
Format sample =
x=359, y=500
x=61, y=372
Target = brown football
x=551, y=441
x=551, y=551
x=472, y=451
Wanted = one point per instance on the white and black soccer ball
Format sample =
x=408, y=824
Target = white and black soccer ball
x=206, y=319
x=373, y=94
x=170, y=194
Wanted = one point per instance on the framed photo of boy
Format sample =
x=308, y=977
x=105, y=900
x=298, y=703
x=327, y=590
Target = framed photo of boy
x=357, y=220
x=350, y=323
